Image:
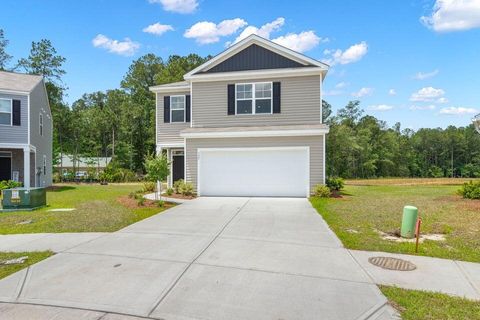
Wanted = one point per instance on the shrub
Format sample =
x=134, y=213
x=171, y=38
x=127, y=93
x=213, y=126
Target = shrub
x=335, y=184
x=57, y=177
x=169, y=191
x=187, y=189
x=321, y=191
x=470, y=190
x=178, y=185
x=160, y=203
x=10, y=184
x=132, y=195
x=141, y=201
x=148, y=186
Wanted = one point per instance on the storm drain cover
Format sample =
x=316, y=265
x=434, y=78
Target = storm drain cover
x=392, y=263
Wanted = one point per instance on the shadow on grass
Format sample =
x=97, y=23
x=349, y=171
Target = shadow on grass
x=60, y=188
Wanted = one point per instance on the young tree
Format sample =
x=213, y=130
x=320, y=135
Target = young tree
x=4, y=56
x=158, y=169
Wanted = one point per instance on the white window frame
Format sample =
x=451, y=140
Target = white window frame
x=11, y=112
x=44, y=168
x=184, y=108
x=40, y=124
x=253, y=98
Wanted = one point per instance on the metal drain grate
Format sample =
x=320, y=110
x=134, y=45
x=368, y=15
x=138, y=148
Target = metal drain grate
x=392, y=263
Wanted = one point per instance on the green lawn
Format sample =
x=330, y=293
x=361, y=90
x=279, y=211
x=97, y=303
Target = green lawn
x=33, y=257
x=362, y=210
x=421, y=305
x=97, y=210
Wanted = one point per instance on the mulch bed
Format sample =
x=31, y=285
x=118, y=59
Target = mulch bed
x=179, y=196
x=132, y=203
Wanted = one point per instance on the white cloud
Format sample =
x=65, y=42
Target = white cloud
x=458, y=111
x=362, y=92
x=392, y=92
x=208, y=32
x=453, y=15
x=341, y=85
x=158, y=29
x=264, y=31
x=429, y=94
x=126, y=47
x=299, y=42
x=352, y=54
x=179, y=6
x=425, y=75
x=380, y=107
x=428, y=107
x=331, y=93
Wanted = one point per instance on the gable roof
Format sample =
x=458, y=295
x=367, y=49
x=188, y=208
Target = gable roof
x=20, y=82
x=297, y=59
x=171, y=87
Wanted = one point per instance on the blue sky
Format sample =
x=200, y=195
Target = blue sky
x=416, y=62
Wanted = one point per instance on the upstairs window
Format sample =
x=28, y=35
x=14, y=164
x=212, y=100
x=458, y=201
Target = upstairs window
x=177, y=108
x=40, y=122
x=253, y=98
x=5, y=112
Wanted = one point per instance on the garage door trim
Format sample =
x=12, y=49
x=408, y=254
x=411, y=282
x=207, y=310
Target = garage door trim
x=300, y=148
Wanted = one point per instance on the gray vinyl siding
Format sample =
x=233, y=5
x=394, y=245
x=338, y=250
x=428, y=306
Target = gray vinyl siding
x=16, y=134
x=314, y=142
x=43, y=144
x=300, y=104
x=169, y=133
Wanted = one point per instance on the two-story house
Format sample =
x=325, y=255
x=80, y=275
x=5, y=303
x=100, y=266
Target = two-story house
x=248, y=122
x=25, y=130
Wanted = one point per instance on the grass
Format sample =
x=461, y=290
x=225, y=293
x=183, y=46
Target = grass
x=409, y=181
x=422, y=305
x=362, y=210
x=33, y=257
x=97, y=210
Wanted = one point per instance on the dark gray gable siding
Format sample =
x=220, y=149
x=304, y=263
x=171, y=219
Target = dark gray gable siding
x=255, y=57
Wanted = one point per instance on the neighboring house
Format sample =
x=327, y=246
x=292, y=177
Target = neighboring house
x=68, y=163
x=25, y=130
x=248, y=122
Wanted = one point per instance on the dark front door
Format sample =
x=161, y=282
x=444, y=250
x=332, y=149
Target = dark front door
x=178, y=168
x=5, y=168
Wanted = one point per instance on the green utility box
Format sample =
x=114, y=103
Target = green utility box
x=23, y=198
x=409, y=221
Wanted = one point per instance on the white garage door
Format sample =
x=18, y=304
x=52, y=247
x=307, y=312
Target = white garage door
x=277, y=172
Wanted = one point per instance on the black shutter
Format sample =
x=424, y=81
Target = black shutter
x=231, y=99
x=276, y=97
x=16, y=112
x=187, y=108
x=166, y=109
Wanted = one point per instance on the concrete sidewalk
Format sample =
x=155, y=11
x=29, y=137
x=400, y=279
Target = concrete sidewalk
x=210, y=258
x=56, y=242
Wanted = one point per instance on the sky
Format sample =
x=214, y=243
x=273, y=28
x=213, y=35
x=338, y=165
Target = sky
x=413, y=62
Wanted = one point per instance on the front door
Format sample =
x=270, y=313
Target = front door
x=5, y=168
x=178, y=167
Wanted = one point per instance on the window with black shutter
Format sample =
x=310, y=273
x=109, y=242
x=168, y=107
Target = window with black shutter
x=166, y=109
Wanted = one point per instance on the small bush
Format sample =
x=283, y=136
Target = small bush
x=169, y=191
x=178, y=185
x=335, y=184
x=141, y=201
x=187, y=189
x=470, y=190
x=10, y=184
x=321, y=191
x=148, y=187
x=160, y=203
x=132, y=195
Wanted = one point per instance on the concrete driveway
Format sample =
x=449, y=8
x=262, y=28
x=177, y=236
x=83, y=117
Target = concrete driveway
x=211, y=258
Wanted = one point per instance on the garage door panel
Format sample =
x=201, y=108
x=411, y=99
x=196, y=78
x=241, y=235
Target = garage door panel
x=254, y=172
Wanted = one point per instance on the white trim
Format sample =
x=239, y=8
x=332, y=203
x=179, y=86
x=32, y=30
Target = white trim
x=321, y=101
x=16, y=146
x=259, y=133
x=156, y=120
x=300, y=148
x=170, y=145
x=267, y=44
x=169, y=89
x=6, y=91
x=11, y=112
x=254, y=98
x=323, y=159
x=258, y=74
x=184, y=108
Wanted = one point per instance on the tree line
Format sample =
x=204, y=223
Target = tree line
x=120, y=123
